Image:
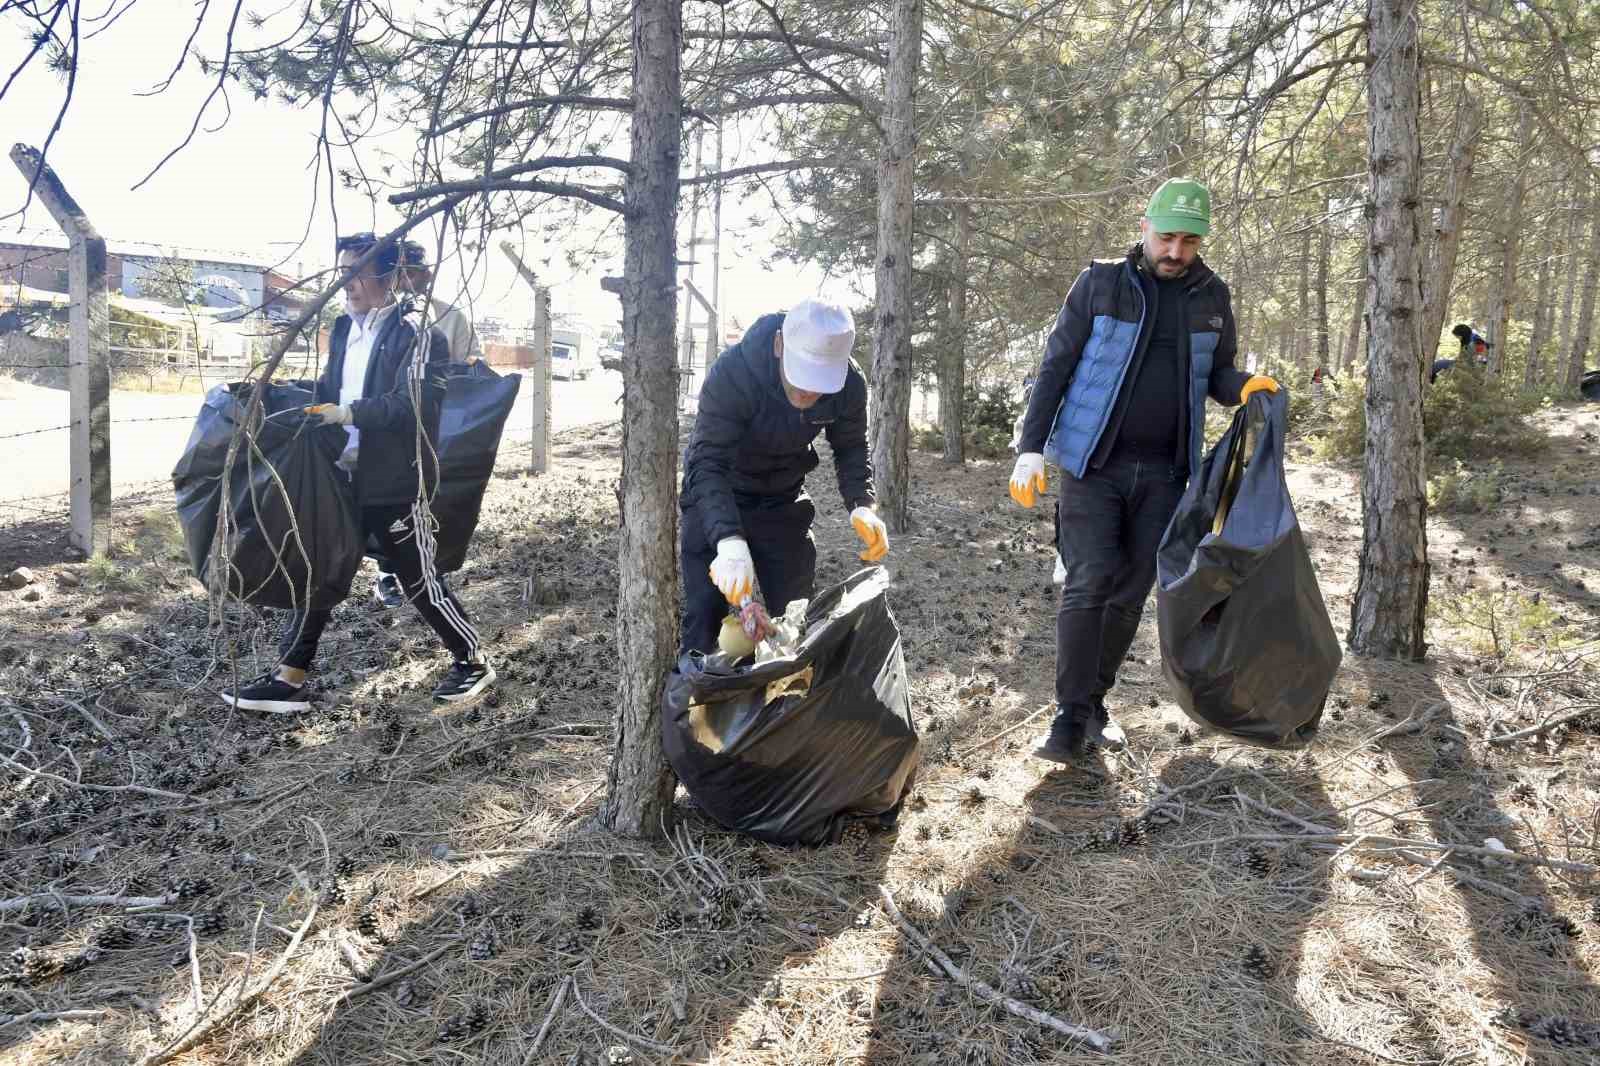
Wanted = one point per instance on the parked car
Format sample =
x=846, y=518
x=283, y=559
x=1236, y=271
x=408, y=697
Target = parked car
x=572, y=355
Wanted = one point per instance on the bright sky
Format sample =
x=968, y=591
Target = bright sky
x=245, y=184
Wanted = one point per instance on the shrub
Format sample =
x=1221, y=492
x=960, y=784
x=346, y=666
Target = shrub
x=1498, y=622
x=1465, y=491
x=1466, y=414
x=990, y=418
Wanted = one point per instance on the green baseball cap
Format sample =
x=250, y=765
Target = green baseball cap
x=1181, y=205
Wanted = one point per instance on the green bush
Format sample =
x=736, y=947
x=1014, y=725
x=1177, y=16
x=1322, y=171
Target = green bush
x=1466, y=414
x=1464, y=491
x=990, y=417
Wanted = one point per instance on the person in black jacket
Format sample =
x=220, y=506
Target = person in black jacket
x=384, y=383
x=1120, y=406
x=746, y=515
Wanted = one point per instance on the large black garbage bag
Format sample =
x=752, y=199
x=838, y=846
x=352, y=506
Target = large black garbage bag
x=288, y=483
x=789, y=750
x=1245, y=637
x=477, y=403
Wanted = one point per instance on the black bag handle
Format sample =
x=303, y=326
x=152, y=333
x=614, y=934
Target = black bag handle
x=1273, y=408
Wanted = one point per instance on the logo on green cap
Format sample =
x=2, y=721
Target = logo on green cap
x=1181, y=205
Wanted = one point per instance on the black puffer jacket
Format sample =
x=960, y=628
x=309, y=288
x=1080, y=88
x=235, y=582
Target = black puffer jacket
x=386, y=468
x=752, y=448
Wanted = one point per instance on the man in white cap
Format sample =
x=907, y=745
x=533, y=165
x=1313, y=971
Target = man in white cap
x=746, y=515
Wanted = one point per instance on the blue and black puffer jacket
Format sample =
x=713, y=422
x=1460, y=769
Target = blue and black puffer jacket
x=1094, y=352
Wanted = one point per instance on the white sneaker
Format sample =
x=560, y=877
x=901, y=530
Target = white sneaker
x=1060, y=577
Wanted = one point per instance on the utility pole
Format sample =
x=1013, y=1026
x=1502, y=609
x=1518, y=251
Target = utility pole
x=714, y=320
x=88, y=351
x=686, y=346
x=538, y=376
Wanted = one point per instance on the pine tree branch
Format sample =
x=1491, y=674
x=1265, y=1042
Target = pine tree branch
x=783, y=36
x=478, y=185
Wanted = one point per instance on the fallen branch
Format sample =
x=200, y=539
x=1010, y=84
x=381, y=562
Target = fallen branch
x=632, y=1038
x=549, y=1020
x=244, y=999
x=1006, y=732
x=395, y=975
x=7, y=1020
x=23, y=902
x=1544, y=727
x=92, y=788
x=1092, y=1037
x=99, y=726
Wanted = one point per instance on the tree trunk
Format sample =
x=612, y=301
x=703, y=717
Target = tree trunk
x=639, y=784
x=1570, y=265
x=891, y=347
x=1544, y=310
x=1324, y=251
x=1302, y=324
x=1439, y=274
x=953, y=353
x=1391, y=601
x=1584, y=327
x=1505, y=294
x=1358, y=314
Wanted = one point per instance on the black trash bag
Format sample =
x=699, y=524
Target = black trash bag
x=1589, y=385
x=791, y=749
x=314, y=569
x=1245, y=637
x=476, y=405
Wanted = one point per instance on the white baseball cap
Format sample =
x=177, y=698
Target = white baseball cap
x=817, y=338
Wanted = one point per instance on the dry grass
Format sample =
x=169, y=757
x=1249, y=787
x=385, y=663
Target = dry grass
x=465, y=834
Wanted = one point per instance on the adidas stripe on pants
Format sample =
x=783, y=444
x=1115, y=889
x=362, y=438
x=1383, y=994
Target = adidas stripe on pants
x=408, y=545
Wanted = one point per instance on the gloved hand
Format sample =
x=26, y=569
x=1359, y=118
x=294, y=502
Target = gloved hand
x=1027, y=478
x=330, y=414
x=733, y=571
x=1257, y=383
x=873, y=533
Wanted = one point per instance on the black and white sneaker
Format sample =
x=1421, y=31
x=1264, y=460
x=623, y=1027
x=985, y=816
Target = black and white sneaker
x=464, y=681
x=388, y=591
x=270, y=695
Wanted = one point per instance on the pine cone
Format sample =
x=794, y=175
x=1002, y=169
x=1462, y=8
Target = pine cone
x=723, y=898
x=1562, y=1031
x=210, y=923
x=35, y=965
x=192, y=887
x=1524, y=792
x=588, y=919
x=367, y=924
x=669, y=922
x=1135, y=832
x=464, y=1026
x=1257, y=860
x=333, y=893
x=482, y=947
x=389, y=840
x=346, y=866
x=113, y=937
x=1256, y=963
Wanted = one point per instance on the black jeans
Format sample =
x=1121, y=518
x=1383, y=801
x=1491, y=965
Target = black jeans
x=782, y=549
x=1109, y=524
x=407, y=545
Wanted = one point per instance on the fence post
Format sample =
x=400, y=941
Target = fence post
x=539, y=461
x=88, y=372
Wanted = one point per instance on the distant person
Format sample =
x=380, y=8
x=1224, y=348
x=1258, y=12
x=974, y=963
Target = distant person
x=382, y=383
x=1120, y=406
x=1439, y=367
x=1473, y=344
x=416, y=277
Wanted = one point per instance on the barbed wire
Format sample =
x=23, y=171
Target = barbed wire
x=114, y=422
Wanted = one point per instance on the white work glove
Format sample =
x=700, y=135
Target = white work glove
x=331, y=414
x=1027, y=478
x=873, y=533
x=733, y=571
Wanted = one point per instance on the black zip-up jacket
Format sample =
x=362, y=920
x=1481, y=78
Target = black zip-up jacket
x=751, y=448
x=1107, y=313
x=386, y=465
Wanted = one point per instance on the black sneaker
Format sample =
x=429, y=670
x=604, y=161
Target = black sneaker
x=464, y=681
x=269, y=694
x=1064, y=742
x=388, y=591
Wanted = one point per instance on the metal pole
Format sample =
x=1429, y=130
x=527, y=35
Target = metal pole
x=539, y=461
x=88, y=372
x=686, y=347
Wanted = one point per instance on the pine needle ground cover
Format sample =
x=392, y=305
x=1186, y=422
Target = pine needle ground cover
x=383, y=881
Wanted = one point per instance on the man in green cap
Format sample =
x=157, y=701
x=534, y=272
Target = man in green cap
x=1119, y=405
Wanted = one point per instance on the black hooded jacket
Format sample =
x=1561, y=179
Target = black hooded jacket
x=751, y=448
